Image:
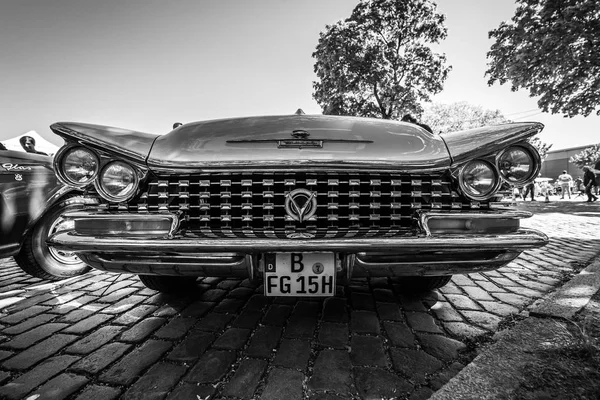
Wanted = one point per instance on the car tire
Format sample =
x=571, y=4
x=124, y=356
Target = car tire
x=169, y=284
x=419, y=284
x=37, y=258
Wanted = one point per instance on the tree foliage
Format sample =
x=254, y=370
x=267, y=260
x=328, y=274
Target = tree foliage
x=550, y=47
x=458, y=116
x=589, y=156
x=377, y=62
x=443, y=118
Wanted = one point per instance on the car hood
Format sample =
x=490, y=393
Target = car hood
x=299, y=140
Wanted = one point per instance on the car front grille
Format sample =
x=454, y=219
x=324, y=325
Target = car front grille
x=252, y=204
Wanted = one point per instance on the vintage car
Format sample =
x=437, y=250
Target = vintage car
x=302, y=202
x=31, y=203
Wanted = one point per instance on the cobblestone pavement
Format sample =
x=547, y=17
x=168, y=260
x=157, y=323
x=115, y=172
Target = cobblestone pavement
x=103, y=336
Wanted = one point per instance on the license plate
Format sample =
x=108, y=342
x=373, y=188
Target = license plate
x=300, y=274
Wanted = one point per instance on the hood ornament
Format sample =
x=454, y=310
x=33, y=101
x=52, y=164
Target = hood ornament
x=301, y=204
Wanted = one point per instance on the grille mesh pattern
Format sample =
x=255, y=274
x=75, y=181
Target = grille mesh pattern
x=253, y=204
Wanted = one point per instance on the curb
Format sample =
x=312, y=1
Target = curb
x=498, y=371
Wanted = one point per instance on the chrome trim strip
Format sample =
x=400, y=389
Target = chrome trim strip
x=425, y=216
x=520, y=240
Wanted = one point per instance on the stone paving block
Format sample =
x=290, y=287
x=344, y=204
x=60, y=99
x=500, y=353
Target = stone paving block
x=19, y=316
x=414, y=363
x=400, y=334
x=214, y=322
x=462, y=302
x=213, y=295
x=192, y=391
x=155, y=383
x=411, y=303
x=245, y=379
x=364, y=322
x=367, y=350
x=451, y=288
x=4, y=376
x=422, y=322
x=80, y=302
x=513, y=299
x=4, y=354
x=258, y=302
x=232, y=339
x=423, y=393
x=362, y=301
x=477, y=293
x=377, y=383
x=175, y=328
x=463, y=330
x=197, y=309
x=283, y=384
x=332, y=372
x=142, y=329
x=334, y=335
x=229, y=306
x=241, y=293
x=27, y=304
x=128, y=368
x=88, y=323
x=384, y=295
x=40, y=351
x=98, y=392
x=33, y=336
x=135, y=315
x=63, y=298
x=229, y=283
x=335, y=310
x=117, y=295
x=462, y=281
x=247, y=319
x=498, y=308
x=101, y=358
x=441, y=347
x=482, y=319
x=124, y=304
x=523, y=291
x=308, y=309
x=27, y=324
x=94, y=340
x=264, y=342
x=388, y=311
x=211, y=367
x=445, y=312
x=277, y=315
x=293, y=354
x=192, y=347
x=300, y=328
x=25, y=383
x=60, y=387
x=489, y=287
x=80, y=313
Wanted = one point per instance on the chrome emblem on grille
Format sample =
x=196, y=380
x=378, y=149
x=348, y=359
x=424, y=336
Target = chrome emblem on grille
x=301, y=204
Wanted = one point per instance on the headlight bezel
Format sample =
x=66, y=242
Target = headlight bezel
x=98, y=182
x=60, y=169
x=536, y=162
x=466, y=188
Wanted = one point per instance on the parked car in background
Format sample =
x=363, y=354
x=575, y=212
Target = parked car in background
x=31, y=203
x=303, y=202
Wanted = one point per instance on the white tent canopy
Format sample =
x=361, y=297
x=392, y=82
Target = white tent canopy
x=41, y=144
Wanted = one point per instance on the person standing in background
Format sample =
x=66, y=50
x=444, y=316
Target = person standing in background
x=565, y=181
x=589, y=181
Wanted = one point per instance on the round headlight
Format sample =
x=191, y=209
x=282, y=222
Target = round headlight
x=478, y=180
x=516, y=165
x=118, y=181
x=79, y=166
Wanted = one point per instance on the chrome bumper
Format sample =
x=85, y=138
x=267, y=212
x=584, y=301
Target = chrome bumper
x=428, y=254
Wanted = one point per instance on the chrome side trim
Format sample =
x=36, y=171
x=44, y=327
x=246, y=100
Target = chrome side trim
x=425, y=216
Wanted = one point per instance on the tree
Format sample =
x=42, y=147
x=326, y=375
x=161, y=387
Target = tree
x=589, y=156
x=458, y=116
x=443, y=118
x=377, y=62
x=550, y=47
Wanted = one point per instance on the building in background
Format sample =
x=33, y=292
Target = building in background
x=558, y=160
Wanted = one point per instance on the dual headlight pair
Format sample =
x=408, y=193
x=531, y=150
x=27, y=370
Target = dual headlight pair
x=480, y=179
x=116, y=181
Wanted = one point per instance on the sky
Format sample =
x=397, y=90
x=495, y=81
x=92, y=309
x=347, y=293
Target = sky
x=145, y=64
